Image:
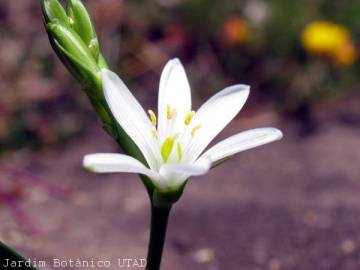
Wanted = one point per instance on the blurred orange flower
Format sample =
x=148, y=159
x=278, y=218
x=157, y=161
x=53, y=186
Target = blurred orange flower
x=235, y=30
x=329, y=39
x=347, y=55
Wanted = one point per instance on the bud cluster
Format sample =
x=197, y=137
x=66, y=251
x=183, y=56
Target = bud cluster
x=73, y=37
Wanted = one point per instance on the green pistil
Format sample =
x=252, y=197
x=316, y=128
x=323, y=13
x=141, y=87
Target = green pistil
x=166, y=148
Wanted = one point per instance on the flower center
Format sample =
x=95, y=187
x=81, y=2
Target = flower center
x=171, y=148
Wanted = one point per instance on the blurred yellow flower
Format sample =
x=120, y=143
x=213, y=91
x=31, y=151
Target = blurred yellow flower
x=329, y=39
x=235, y=30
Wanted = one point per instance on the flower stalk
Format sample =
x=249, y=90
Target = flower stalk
x=159, y=221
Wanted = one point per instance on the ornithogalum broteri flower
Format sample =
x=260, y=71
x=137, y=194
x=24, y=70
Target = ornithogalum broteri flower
x=173, y=142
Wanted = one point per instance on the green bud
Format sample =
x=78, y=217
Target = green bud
x=75, y=55
x=88, y=78
x=81, y=22
x=72, y=43
x=73, y=37
x=53, y=11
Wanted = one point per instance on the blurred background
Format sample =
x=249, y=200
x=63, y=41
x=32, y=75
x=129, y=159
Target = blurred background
x=293, y=204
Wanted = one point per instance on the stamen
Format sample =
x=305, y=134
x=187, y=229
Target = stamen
x=195, y=129
x=154, y=133
x=166, y=148
x=152, y=117
x=179, y=151
x=188, y=117
x=169, y=112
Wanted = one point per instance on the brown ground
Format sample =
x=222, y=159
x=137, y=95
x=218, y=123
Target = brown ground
x=292, y=205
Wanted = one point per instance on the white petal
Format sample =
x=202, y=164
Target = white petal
x=241, y=142
x=131, y=116
x=110, y=163
x=178, y=173
x=174, y=90
x=214, y=115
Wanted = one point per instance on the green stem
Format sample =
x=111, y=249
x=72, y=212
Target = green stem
x=159, y=220
x=9, y=255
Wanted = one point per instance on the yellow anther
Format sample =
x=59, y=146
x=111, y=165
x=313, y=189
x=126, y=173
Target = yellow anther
x=179, y=151
x=152, y=117
x=154, y=133
x=188, y=117
x=195, y=129
x=169, y=112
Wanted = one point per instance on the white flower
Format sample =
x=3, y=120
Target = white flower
x=173, y=142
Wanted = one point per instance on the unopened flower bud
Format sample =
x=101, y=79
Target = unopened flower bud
x=75, y=55
x=71, y=42
x=53, y=11
x=81, y=22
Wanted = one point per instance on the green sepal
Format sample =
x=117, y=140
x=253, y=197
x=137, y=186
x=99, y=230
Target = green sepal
x=167, y=197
